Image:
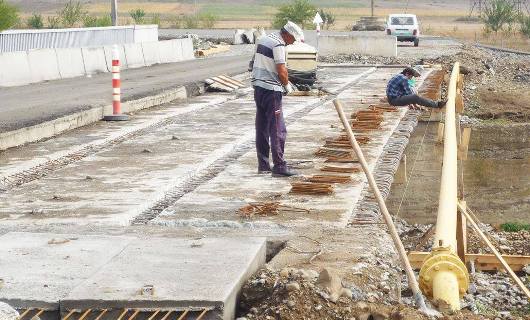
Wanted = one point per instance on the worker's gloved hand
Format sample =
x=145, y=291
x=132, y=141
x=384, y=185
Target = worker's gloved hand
x=289, y=88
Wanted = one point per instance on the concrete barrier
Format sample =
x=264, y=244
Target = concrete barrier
x=25, y=67
x=187, y=49
x=151, y=53
x=134, y=55
x=43, y=65
x=94, y=59
x=108, y=57
x=14, y=69
x=70, y=61
x=385, y=46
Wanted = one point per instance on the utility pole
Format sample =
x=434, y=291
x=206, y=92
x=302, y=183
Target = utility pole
x=372, y=2
x=114, y=12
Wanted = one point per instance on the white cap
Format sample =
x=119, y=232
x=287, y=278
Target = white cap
x=294, y=30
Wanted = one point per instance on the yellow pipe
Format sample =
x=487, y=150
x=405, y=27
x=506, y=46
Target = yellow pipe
x=443, y=276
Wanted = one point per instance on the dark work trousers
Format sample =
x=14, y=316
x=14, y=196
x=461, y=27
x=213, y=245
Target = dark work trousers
x=270, y=126
x=412, y=99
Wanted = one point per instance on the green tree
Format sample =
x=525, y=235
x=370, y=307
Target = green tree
x=328, y=18
x=208, y=20
x=35, y=21
x=498, y=13
x=155, y=19
x=72, y=14
x=525, y=25
x=8, y=15
x=137, y=15
x=54, y=22
x=300, y=12
x=191, y=22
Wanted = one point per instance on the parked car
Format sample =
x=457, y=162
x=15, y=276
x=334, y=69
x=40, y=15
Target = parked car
x=405, y=27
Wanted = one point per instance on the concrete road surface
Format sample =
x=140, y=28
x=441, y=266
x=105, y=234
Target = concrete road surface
x=33, y=104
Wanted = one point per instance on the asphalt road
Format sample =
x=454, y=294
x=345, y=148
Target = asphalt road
x=36, y=103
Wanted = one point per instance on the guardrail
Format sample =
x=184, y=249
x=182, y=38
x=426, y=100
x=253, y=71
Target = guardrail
x=23, y=40
x=443, y=276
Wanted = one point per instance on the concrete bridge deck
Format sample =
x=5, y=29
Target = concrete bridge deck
x=183, y=170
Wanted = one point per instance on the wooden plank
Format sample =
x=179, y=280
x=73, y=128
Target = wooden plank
x=231, y=80
x=461, y=235
x=440, y=136
x=239, y=83
x=464, y=144
x=501, y=260
x=459, y=103
x=426, y=236
x=483, y=262
x=226, y=83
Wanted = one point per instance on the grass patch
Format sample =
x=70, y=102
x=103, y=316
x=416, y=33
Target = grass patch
x=515, y=227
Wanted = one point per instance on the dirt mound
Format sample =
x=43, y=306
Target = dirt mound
x=297, y=295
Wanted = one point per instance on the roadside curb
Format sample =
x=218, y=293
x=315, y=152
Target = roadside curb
x=54, y=127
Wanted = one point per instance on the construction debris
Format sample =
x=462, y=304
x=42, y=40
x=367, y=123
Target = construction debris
x=266, y=209
x=311, y=188
x=329, y=179
x=223, y=83
x=340, y=169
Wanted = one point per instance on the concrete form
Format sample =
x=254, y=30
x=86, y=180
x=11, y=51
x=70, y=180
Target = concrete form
x=78, y=272
x=385, y=46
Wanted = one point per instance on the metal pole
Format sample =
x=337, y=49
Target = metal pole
x=443, y=275
x=114, y=12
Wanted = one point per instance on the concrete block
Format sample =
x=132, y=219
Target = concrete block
x=134, y=55
x=151, y=53
x=166, y=51
x=108, y=57
x=184, y=273
x=43, y=65
x=70, y=62
x=383, y=45
x=14, y=69
x=94, y=59
x=187, y=49
x=39, y=269
x=177, y=49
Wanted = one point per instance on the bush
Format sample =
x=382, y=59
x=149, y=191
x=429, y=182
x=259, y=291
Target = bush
x=8, y=15
x=91, y=21
x=137, y=15
x=208, y=20
x=497, y=13
x=191, y=22
x=155, y=19
x=328, y=17
x=300, y=12
x=35, y=21
x=175, y=22
x=514, y=227
x=525, y=25
x=72, y=14
x=54, y=22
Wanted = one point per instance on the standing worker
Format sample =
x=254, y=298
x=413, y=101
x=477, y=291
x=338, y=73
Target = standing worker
x=270, y=81
x=399, y=93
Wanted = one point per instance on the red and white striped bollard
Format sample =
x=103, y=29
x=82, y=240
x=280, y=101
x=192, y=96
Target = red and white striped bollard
x=116, y=89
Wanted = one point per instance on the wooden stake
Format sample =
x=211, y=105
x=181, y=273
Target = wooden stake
x=461, y=234
x=413, y=283
x=464, y=144
x=440, y=137
x=401, y=173
x=505, y=265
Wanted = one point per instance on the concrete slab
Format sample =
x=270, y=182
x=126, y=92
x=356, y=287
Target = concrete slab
x=134, y=55
x=94, y=59
x=39, y=269
x=70, y=62
x=43, y=65
x=187, y=49
x=14, y=69
x=185, y=273
x=151, y=53
x=380, y=45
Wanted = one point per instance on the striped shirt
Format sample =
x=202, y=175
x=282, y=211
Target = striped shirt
x=270, y=51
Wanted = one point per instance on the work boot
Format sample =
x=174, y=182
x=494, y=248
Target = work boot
x=442, y=103
x=284, y=173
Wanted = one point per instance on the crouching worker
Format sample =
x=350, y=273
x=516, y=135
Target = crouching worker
x=399, y=92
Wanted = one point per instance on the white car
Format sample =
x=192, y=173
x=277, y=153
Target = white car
x=405, y=27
